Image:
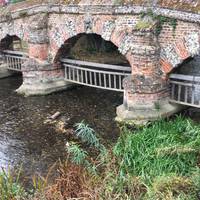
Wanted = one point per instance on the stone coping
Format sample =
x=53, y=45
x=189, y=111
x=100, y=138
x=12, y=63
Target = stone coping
x=7, y=14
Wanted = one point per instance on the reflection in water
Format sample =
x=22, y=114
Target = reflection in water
x=24, y=138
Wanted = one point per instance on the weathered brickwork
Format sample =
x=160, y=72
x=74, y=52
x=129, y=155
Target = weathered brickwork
x=114, y=29
x=47, y=28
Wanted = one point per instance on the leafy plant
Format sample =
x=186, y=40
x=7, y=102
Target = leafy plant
x=161, y=20
x=80, y=156
x=86, y=134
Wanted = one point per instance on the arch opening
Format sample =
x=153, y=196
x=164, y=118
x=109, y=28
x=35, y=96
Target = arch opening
x=90, y=60
x=14, y=43
x=12, y=51
x=185, y=83
x=91, y=47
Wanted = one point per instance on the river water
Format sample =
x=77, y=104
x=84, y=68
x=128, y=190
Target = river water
x=25, y=138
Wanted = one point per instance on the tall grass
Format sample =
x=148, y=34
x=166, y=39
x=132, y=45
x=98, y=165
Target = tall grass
x=164, y=155
x=163, y=148
x=157, y=162
x=10, y=187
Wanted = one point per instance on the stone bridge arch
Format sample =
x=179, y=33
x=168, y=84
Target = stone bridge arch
x=152, y=57
x=70, y=28
x=144, y=88
x=174, y=54
x=18, y=29
x=87, y=40
x=9, y=43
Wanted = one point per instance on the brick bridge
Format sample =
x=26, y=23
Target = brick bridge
x=153, y=39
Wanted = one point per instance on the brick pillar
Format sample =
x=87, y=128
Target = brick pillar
x=146, y=93
x=40, y=75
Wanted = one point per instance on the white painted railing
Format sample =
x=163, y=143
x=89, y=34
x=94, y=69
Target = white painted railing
x=97, y=75
x=185, y=89
x=14, y=59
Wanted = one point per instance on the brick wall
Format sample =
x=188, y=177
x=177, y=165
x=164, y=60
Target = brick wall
x=151, y=57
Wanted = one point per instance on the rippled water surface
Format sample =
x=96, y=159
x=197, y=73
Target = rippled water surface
x=24, y=138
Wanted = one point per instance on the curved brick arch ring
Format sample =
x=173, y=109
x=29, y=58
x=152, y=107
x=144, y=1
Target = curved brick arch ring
x=175, y=54
x=105, y=28
x=15, y=30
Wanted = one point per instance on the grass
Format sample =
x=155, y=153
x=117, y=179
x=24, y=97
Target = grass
x=143, y=25
x=156, y=162
x=10, y=187
x=163, y=148
x=164, y=155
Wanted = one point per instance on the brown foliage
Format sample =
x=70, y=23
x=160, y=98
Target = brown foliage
x=73, y=183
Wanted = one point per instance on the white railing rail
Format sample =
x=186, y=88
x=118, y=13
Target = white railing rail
x=185, y=89
x=97, y=75
x=14, y=59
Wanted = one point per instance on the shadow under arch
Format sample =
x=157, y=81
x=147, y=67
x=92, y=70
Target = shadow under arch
x=88, y=59
x=14, y=43
x=91, y=45
x=185, y=82
x=11, y=45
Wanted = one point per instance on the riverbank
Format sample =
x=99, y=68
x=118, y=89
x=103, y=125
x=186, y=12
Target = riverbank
x=156, y=162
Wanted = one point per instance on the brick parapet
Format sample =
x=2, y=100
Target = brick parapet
x=97, y=9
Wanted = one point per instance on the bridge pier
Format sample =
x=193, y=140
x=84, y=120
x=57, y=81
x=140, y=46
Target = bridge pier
x=146, y=90
x=41, y=78
x=144, y=102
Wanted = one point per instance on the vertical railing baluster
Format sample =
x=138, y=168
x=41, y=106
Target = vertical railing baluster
x=186, y=94
x=8, y=62
x=193, y=93
x=86, y=77
x=82, y=80
x=104, y=79
x=179, y=92
x=115, y=82
x=91, y=82
x=67, y=72
x=173, y=91
x=100, y=82
x=95, y=78
x=16, y=61
x=70, y=73
x=120, y=82
x=73, y=74
x=20, y=64
x=109, y=78
x=12, y=65
x=13, y=62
